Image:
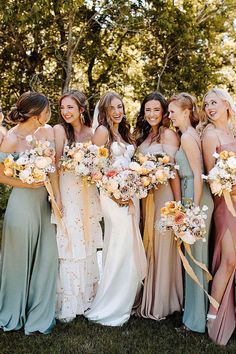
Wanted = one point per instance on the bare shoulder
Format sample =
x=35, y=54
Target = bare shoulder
x=46, y=132
x=170, y=137
x=209, y=136
x=9, y=141
x=59, y=130
x=101, y=135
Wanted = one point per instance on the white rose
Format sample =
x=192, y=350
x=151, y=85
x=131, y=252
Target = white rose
x=135, y=166
x=231, y=162
x=29, y=139
x=23, y=175
x=78, y=156
x=42, y=162
x=216, y=188
x=22, y=160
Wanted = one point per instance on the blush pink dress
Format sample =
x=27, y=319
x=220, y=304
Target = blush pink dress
x=223, y=326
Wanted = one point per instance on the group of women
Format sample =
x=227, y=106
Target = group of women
x=47, y=274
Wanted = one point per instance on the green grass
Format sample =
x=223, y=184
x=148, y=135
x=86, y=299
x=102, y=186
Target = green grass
x=137, y=336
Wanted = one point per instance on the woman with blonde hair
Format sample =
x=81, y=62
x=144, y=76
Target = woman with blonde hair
x=219, y=135
x=183, y=113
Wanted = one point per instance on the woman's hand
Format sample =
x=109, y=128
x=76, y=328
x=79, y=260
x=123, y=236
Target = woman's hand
x=120, y=202
x=33, y=185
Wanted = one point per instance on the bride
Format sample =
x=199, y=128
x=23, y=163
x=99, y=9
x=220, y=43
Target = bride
x=123, y=252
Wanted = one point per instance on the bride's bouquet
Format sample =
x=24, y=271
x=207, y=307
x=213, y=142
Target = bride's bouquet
x=122, y=184
x=154, y=169
x=85, y=160
x=222, y=176
x=32, y=165
x=187, y=222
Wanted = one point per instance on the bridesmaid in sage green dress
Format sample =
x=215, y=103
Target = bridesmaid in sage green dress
x=28, y=267
x=184, y=116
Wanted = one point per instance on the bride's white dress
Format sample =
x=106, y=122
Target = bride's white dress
x=120, y=278
x=78, y=267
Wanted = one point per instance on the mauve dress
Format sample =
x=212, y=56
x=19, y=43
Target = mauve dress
x=223, y=326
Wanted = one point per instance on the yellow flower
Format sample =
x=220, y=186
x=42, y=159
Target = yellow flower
x=102, y=152
x=166, y=159
x=8, y=172
x=224, y=155
x=8, y=162
x=171, y=206
x=164, y=211
x=231, y=154
x=146, y=181
x=142, y=158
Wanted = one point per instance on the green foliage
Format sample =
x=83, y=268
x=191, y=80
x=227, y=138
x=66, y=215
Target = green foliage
x=4, y=195
x=127, y=46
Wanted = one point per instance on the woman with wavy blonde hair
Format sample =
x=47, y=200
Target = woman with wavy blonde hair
x=183, y=113
x=218, y=135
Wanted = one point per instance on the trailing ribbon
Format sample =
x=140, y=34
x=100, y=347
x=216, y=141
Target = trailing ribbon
x=57, y=212
x=139, y=252
x=229, y=202
x=86, y=210
x=191, y=272
x=148, y=223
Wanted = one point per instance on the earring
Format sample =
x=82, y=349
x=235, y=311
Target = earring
x=82, y=118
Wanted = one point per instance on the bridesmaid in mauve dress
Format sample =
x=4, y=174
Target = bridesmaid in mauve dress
x=218, y=136
x=28, y=267
x=183, y=113
x=162, y=293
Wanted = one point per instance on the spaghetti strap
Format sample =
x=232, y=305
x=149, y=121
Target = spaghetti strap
x=198, y=143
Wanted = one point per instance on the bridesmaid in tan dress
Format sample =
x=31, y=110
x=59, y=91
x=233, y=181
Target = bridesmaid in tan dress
x=162, y=293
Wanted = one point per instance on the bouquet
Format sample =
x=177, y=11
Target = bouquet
x=32, y=165
x=222, y=176
x=154, y=169
x=187, y=222
x=122, y=184
x=85, y=160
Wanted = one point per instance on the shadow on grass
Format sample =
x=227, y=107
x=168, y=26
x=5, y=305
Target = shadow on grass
x=137, y=336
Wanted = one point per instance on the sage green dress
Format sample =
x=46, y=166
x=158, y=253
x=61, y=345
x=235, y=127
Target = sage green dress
x=196, y=302
x=28, y=266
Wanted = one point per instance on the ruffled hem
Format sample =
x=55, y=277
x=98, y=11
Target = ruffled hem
x=77, y=285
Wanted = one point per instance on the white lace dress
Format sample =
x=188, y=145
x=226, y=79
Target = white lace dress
x=120, y=279
x=78, y=266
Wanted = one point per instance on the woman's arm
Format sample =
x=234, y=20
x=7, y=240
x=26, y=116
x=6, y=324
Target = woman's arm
x=16, y=182
x=209, y=145
x=170, y=142
x=101, y=136
x=193, y=154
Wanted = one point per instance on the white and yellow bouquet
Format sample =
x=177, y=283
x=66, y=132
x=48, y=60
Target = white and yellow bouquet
x=32, y=165
x=85, y=160
x=154, y=169
x=187, y=222
x=222, y=176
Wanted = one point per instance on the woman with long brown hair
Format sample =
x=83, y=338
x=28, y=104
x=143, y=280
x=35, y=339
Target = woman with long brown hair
x=28, y=267
x=78, y=266
x=162, y=293
x=123, y=253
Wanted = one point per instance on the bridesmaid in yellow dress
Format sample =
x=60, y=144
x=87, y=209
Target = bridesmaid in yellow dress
x=162, y=293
